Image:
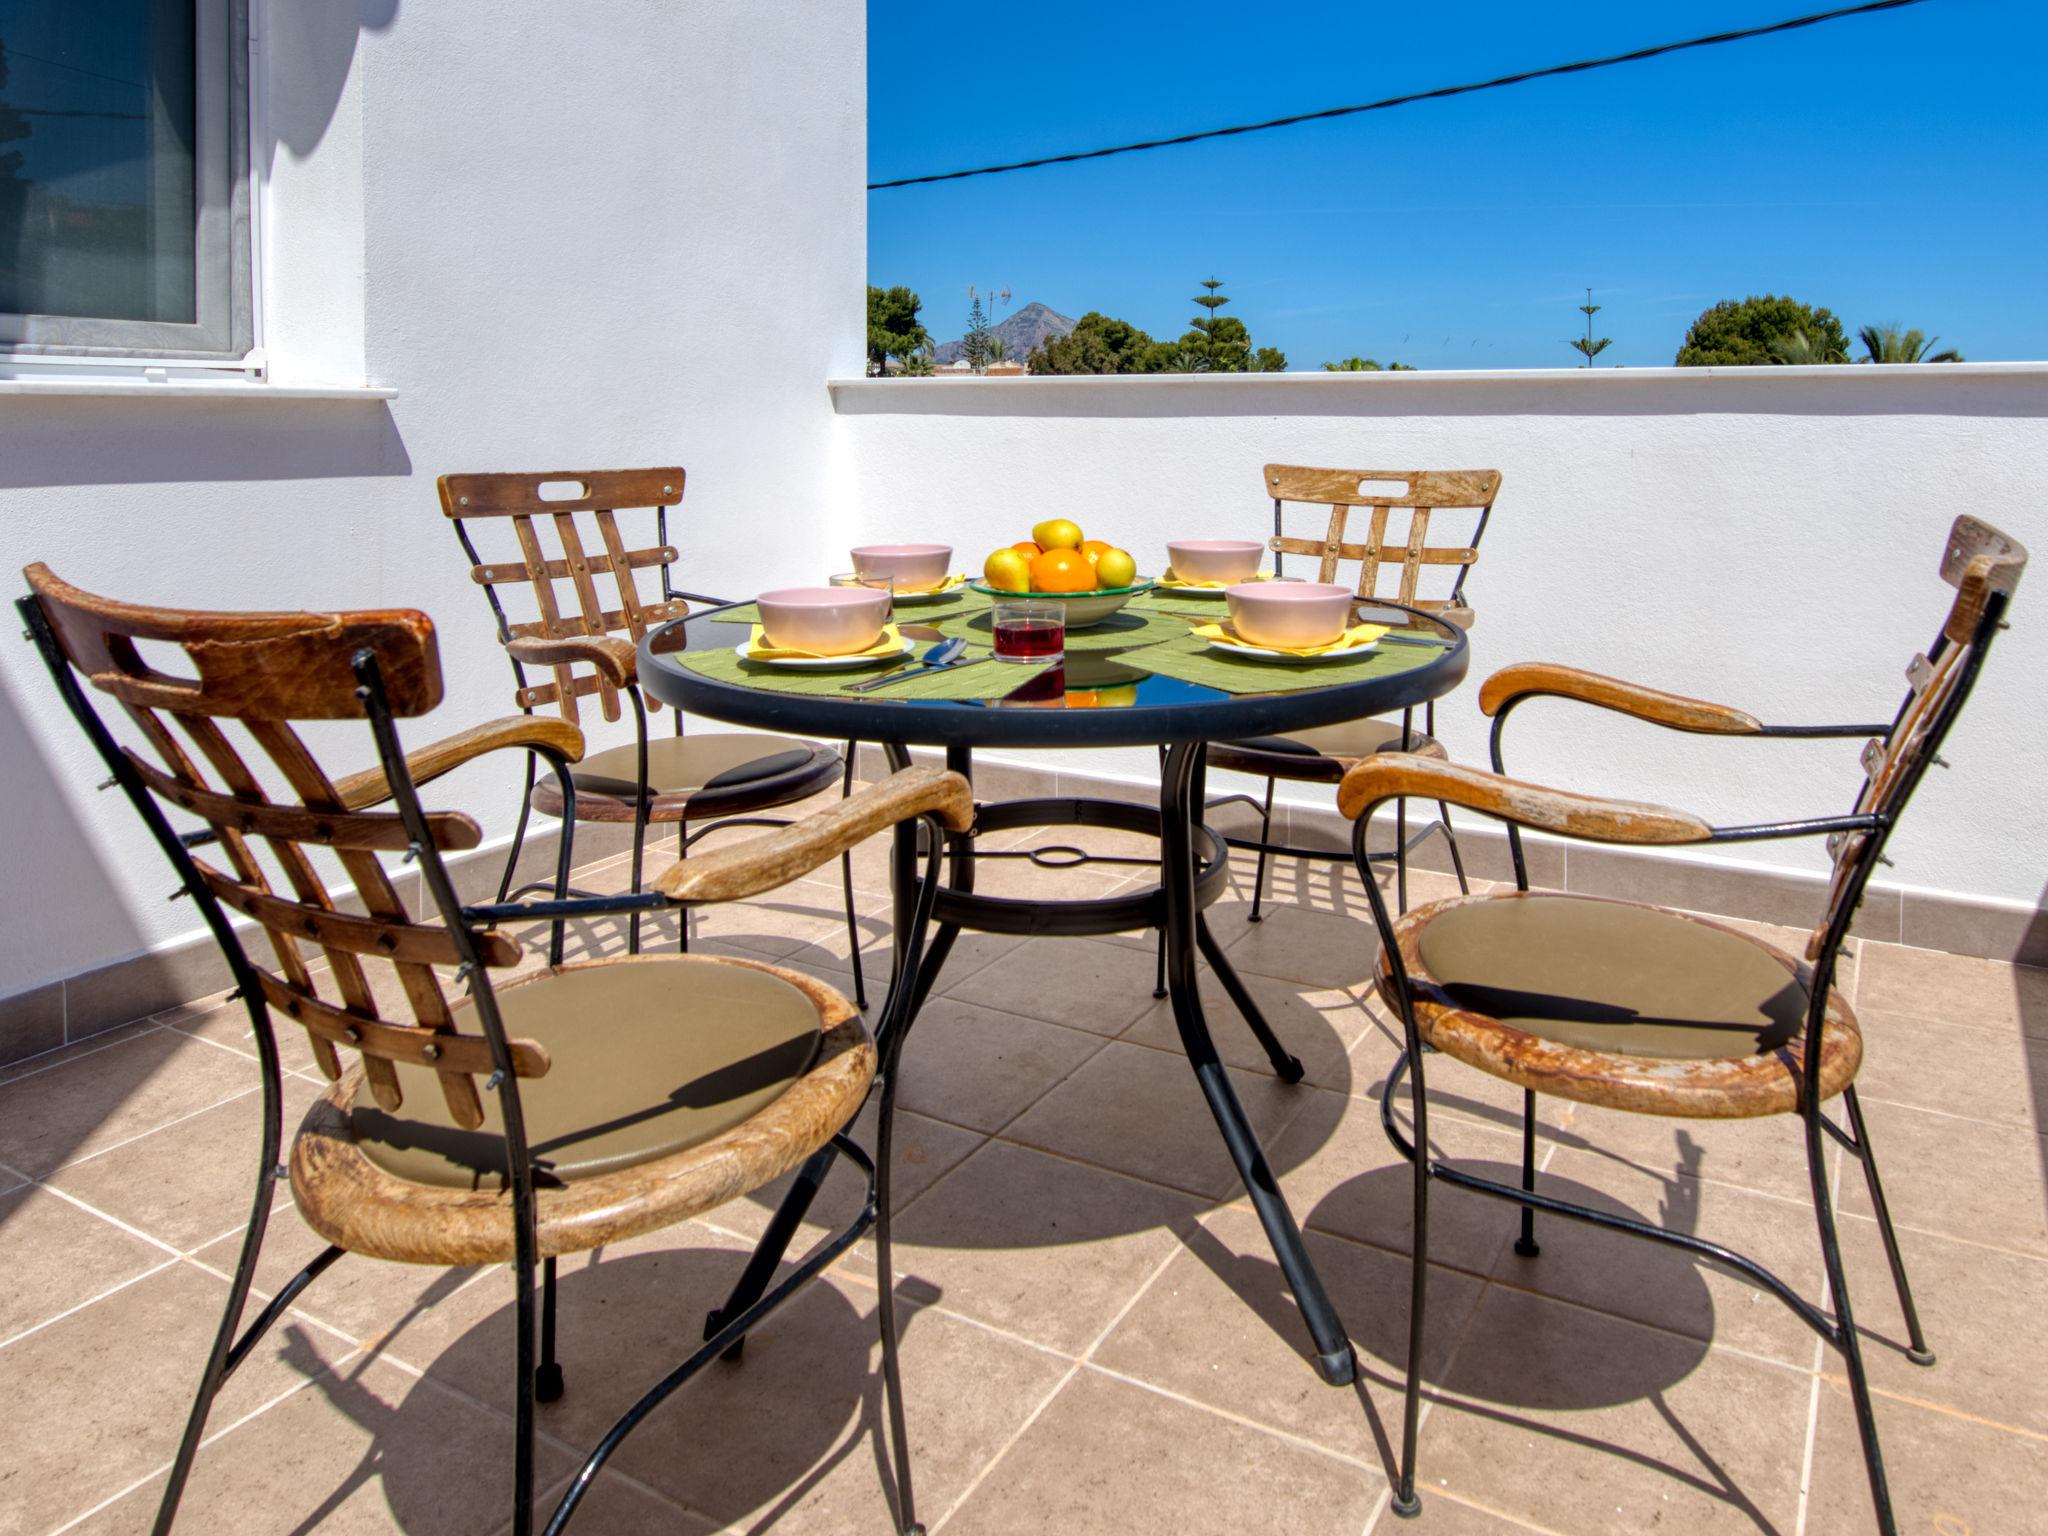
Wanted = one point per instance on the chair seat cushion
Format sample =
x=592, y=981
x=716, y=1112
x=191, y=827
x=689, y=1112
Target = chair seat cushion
x=684, y=765
x=1320, y=754
x=676, y=1082
x=1613, y=1003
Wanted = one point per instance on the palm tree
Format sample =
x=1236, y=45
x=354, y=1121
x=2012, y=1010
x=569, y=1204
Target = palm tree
x=1889, y=344
x=1802, y=350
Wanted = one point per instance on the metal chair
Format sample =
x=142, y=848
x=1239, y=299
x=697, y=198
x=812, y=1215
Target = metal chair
x=618, y=1097
x=1323, y=755
x=713, y=781
x=1657, y=1012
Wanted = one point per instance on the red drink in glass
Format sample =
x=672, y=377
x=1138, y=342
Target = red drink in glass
x=1026, y=631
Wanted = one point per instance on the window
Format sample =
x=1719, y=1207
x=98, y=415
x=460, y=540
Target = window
x=124, y=187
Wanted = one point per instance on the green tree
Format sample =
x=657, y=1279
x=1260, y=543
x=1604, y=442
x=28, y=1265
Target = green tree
x=1269, y=360
x=1587, y=346
x=1354, y=365
x=1802, y=350
x=1214, y=343
x=1096, y=344
x=975, y=347
x=1889, y=344
x=918, y=364
x=893, y=328
x=1741, y=333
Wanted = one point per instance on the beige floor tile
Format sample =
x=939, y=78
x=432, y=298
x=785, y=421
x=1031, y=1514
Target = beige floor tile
x=362, y=1298
x=369, y=1449
x=1635, y=1278
x=1981, y=1313
x=1993, y=1074
x=621, y=1506
x=227, y=1023
x=1947, y=1474
x=1080, y=983
x=1982, y=1183
x=1343, y=1176
x=59, y=1257
x=44, y=1061
x=1930, y=984
x=1575, y=1421
x=1107, y=1454
x=92, y=1103
x=1324, y=949
x=1444, y=1515
x=1142, y=1112
x=192, y=1181
x=110, y=1386
x=1044, y=1248
x=979, y=1067
x=1319, y=1025
x=1221, y=1326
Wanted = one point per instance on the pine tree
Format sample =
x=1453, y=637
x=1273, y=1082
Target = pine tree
x=1587, y=344
x=976, y=345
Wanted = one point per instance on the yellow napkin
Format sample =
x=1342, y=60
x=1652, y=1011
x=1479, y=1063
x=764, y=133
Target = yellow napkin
x=1357, y=634
x=945, y=586
x=1171, y=580
x=888, y=643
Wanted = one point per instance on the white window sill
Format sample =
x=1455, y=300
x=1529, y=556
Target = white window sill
x=237, y=391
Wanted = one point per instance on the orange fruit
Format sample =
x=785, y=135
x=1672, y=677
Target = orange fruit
x=1095, y=549
x=1062, y=570
x=1028, y=550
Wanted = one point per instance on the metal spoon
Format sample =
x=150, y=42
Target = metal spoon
x=945, y=654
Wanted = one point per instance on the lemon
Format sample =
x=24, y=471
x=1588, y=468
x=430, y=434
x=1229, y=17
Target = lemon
x=1008, y=571
x=1115, y=568
x=1058, y=533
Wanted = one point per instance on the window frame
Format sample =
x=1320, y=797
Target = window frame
x=223, y=331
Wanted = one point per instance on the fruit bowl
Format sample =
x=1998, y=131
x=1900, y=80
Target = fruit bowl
x=1083, y=608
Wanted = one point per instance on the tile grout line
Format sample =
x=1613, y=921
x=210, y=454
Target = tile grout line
x=72, y=1311
x=129, y=1141
x=70, y=1050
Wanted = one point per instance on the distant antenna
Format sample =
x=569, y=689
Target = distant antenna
x=1588, y=345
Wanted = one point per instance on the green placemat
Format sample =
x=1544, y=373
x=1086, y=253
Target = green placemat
x=1192, y=661
x=1120, y=631
x=984, y=679
x=1156, y=601
x=953, y=604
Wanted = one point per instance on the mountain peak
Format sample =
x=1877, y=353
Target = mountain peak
x=1031, y=325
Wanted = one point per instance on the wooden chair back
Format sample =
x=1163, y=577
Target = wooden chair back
x=260, y=673
x=1385, y=554
x=1984, y=567
x=567, y=597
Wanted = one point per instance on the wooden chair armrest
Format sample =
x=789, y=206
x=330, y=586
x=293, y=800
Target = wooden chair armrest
x=547, y=732
x=1530, y=678
x=763, y=863
x=1386, y=775
x=614, y=658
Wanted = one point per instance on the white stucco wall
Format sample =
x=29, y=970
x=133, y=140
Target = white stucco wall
x=1767, y=538
x=569, y=237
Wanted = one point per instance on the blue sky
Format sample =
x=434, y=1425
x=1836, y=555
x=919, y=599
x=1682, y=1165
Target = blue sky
x=1892, y=167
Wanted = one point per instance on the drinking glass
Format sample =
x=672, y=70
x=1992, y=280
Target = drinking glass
x=1028, y=630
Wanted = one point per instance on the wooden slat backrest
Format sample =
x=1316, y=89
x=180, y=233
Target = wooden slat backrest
x=1977, y=561
x=1418, y=492
x=260, y=673
x=580, y=607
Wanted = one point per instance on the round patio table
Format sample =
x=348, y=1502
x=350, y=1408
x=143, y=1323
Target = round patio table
x=1127, y=705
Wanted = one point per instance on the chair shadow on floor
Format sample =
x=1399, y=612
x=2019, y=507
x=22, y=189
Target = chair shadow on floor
x=1525, y=1389
x=742, y=1442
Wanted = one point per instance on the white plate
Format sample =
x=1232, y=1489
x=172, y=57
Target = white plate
x=1259, y=653
x=931, y=595
x=1168, y=584
x=822, y=663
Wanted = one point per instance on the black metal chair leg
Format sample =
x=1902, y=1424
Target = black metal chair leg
x=1918, y=1353
x=1525, y=1245
x=767, y=1255
x=860, y=986
x=1846, y=1338
x=1401, y=854
x=1286, y=1065
x=1406, y=1503
x=1265, y=841
x=1451, y=840
x=683, y=914
x=1159, y=980
x=519, y=831
x=523, y=1400
x=547, y=1380
x=885, y=1307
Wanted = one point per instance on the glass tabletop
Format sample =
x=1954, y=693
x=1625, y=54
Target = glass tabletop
x=1105, y=694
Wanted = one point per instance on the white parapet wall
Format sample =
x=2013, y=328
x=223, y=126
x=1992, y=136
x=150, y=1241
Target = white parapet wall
x=1763, y=537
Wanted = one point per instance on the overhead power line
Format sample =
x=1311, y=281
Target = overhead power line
x=1636, y=56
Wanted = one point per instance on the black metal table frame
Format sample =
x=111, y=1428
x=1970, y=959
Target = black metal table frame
x=1187, y=884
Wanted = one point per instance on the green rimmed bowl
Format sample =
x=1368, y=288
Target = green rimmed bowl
x=1083, y=608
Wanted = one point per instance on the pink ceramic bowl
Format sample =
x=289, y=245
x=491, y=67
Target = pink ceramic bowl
x=1224, y=560
x=828, y=621
x=1288, y=613
x=915, y=566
